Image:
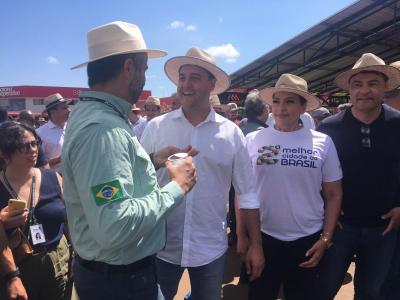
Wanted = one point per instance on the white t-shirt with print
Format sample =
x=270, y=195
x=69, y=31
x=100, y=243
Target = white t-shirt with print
x=289, y=168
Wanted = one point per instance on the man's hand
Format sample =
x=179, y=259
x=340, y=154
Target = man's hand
x=254, y=261
x=184, y=174
x=16, y=290
x=161, y=156
x=315, y=254
x=394, y=220
x=13, y=219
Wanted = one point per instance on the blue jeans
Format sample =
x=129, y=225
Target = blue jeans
x=374, y=254
x=133, y=285
x=205, y=280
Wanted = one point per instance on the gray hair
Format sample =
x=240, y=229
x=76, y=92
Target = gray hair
x=254, y=105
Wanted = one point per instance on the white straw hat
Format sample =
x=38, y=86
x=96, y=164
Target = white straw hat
x=152, y=100
x=116, y=38
x=370, y=62
x=198, y=57
x=292, y=84
x=53, y=100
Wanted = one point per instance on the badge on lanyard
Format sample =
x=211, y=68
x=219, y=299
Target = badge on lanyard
x=37, y=234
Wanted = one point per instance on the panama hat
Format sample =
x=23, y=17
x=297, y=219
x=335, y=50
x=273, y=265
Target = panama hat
x=151, y=100
x=232, y=106
x=292, y=84
x=53, y=100
x=116, y=38
x=198, y=57
x=135, y=108
x=370, y=62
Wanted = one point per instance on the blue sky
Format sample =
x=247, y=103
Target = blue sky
x=41, y=40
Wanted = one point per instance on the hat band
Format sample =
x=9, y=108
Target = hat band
x=54, y=103
x=112, y=47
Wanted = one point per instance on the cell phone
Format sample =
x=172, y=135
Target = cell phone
x=16, y=205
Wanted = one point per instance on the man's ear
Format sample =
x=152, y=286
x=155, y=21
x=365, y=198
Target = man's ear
x=128, y=68
x=213, y=82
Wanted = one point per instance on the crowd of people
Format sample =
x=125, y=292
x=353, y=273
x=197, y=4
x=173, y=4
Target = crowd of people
x=93, y=207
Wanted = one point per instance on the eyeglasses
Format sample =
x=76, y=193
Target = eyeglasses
x=26, y=147
x=366, y=140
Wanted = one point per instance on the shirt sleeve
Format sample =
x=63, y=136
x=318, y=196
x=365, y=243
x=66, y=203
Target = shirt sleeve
x=106, y=158
x=242, y=179
x=331, y=168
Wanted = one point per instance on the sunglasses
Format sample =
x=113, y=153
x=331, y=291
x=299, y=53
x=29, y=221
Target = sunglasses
x=26, y=147
x=366, y=140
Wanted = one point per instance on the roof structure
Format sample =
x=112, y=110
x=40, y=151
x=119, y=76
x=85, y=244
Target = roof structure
x=330, y=47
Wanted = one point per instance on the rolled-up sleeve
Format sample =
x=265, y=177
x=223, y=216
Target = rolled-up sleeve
x=242, y=178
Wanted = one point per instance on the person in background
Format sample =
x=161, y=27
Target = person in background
x=138, y=122
x=233, y=112
x=343, y=107
x=152, y=108
x=392, y=98
x=52, y=133
x=257, y=111
x=44, y=274
x=319, y=114
x=27, y=117
x=3, y=115
x=176, y=102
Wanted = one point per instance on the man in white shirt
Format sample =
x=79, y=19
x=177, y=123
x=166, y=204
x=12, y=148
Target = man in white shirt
x=52, y=133
x=196, y=230
x=138, y=122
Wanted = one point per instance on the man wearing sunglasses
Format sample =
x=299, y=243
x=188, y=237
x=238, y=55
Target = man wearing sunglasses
x=367, y=138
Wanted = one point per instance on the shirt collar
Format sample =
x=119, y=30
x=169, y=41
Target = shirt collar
x=211, y=117
x=122, y=105
x=52, y=125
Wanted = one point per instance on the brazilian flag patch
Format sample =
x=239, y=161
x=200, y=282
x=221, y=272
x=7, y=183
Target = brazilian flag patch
x=107, y=192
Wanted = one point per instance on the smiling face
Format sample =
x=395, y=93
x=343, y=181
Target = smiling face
x=287, y=108
x=194, y=87
x=367, y=91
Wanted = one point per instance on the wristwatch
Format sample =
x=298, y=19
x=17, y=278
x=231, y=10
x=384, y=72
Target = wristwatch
x=11, y=275
x=325, y=238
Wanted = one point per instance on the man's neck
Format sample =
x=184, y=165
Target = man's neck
x=196, y=115
x=367, y=116
x=60, y=124
x=113, y=89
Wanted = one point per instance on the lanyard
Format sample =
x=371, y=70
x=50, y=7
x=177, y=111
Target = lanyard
x=109, y=104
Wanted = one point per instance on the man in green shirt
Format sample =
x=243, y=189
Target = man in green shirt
x=115, y=207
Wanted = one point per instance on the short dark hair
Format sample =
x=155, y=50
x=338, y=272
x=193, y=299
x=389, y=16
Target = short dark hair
x=303, y=101
x=3, y=115
x=11, y=135
x=105, y=69
x=385, y=78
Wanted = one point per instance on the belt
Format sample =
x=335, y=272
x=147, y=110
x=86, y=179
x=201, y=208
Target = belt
x=102, y=267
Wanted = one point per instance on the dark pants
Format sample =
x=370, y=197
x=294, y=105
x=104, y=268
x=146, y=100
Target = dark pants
x=282, y=261
x=133, y=285
x=374, y=254
x=392, y=285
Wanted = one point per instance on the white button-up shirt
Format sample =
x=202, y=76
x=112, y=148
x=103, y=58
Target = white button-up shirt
x=196, y=229
x=139, y=126
x=52, y=138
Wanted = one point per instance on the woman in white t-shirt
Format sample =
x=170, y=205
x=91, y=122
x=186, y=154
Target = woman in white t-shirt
x=292, y=165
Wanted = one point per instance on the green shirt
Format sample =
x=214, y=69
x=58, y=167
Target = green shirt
x=115, y=208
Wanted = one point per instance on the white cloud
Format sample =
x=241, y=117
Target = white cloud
x=190, y=28
x=176, y=24
x=52, y=60
x=225, y=51
x=220, y=19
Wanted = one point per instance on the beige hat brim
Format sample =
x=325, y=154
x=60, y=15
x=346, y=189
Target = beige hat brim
x=312, y=101
x=173, y=65
x=150, y=54
x=55, y=103
x=393, y=74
